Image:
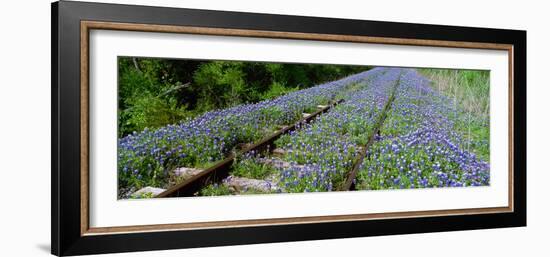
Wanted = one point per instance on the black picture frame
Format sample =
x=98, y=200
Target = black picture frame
x=66, y=236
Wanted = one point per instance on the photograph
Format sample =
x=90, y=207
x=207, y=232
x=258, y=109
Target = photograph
x=176, y=127
x=189, y=127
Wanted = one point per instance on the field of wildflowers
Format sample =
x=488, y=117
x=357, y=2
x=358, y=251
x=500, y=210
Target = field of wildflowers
x=420, y=141
x=147, y=158
x=419, y=145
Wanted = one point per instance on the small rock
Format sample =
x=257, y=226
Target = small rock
x=276, y=163
x=243, y=146
x=279, y=152
x=185, y=173
x=305, y=115
x=147, y=192
x=240, y=184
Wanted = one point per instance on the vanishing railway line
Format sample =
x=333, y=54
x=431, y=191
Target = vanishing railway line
x=148, y=159
x=351, y=178
x=221, y=170
x=359, y=102
x=364, y=140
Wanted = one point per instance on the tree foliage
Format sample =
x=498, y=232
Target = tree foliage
x=155, y=92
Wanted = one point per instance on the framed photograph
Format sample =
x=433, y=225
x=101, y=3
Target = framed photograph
x=178, y=128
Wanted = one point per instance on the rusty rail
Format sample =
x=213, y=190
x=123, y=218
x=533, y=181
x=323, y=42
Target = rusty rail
x=350, y=180
x=221, y=169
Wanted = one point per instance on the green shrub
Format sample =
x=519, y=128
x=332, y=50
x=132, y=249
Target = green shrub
x=154, y=92
x=148, y=111
x=277, y=89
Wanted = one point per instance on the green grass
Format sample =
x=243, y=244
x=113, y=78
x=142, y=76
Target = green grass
x=469, y=90
x=251, y=168
x=215, y=190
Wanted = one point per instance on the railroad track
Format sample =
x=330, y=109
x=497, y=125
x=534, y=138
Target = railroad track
x=349, y=184
x=221, y=169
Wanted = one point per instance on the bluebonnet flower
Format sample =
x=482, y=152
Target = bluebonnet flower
x=420, y=133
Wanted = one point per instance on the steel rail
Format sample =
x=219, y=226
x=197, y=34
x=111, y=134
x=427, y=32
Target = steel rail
x=221, y=169
x=350, y=180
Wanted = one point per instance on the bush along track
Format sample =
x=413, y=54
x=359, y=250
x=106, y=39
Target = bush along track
x=419, y=146
x=152, y=158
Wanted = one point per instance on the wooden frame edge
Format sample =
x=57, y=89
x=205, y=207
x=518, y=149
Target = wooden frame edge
x=287, y=35
x=291, y=221
x=84, y=129
x=86, y=26
x=511, y=128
